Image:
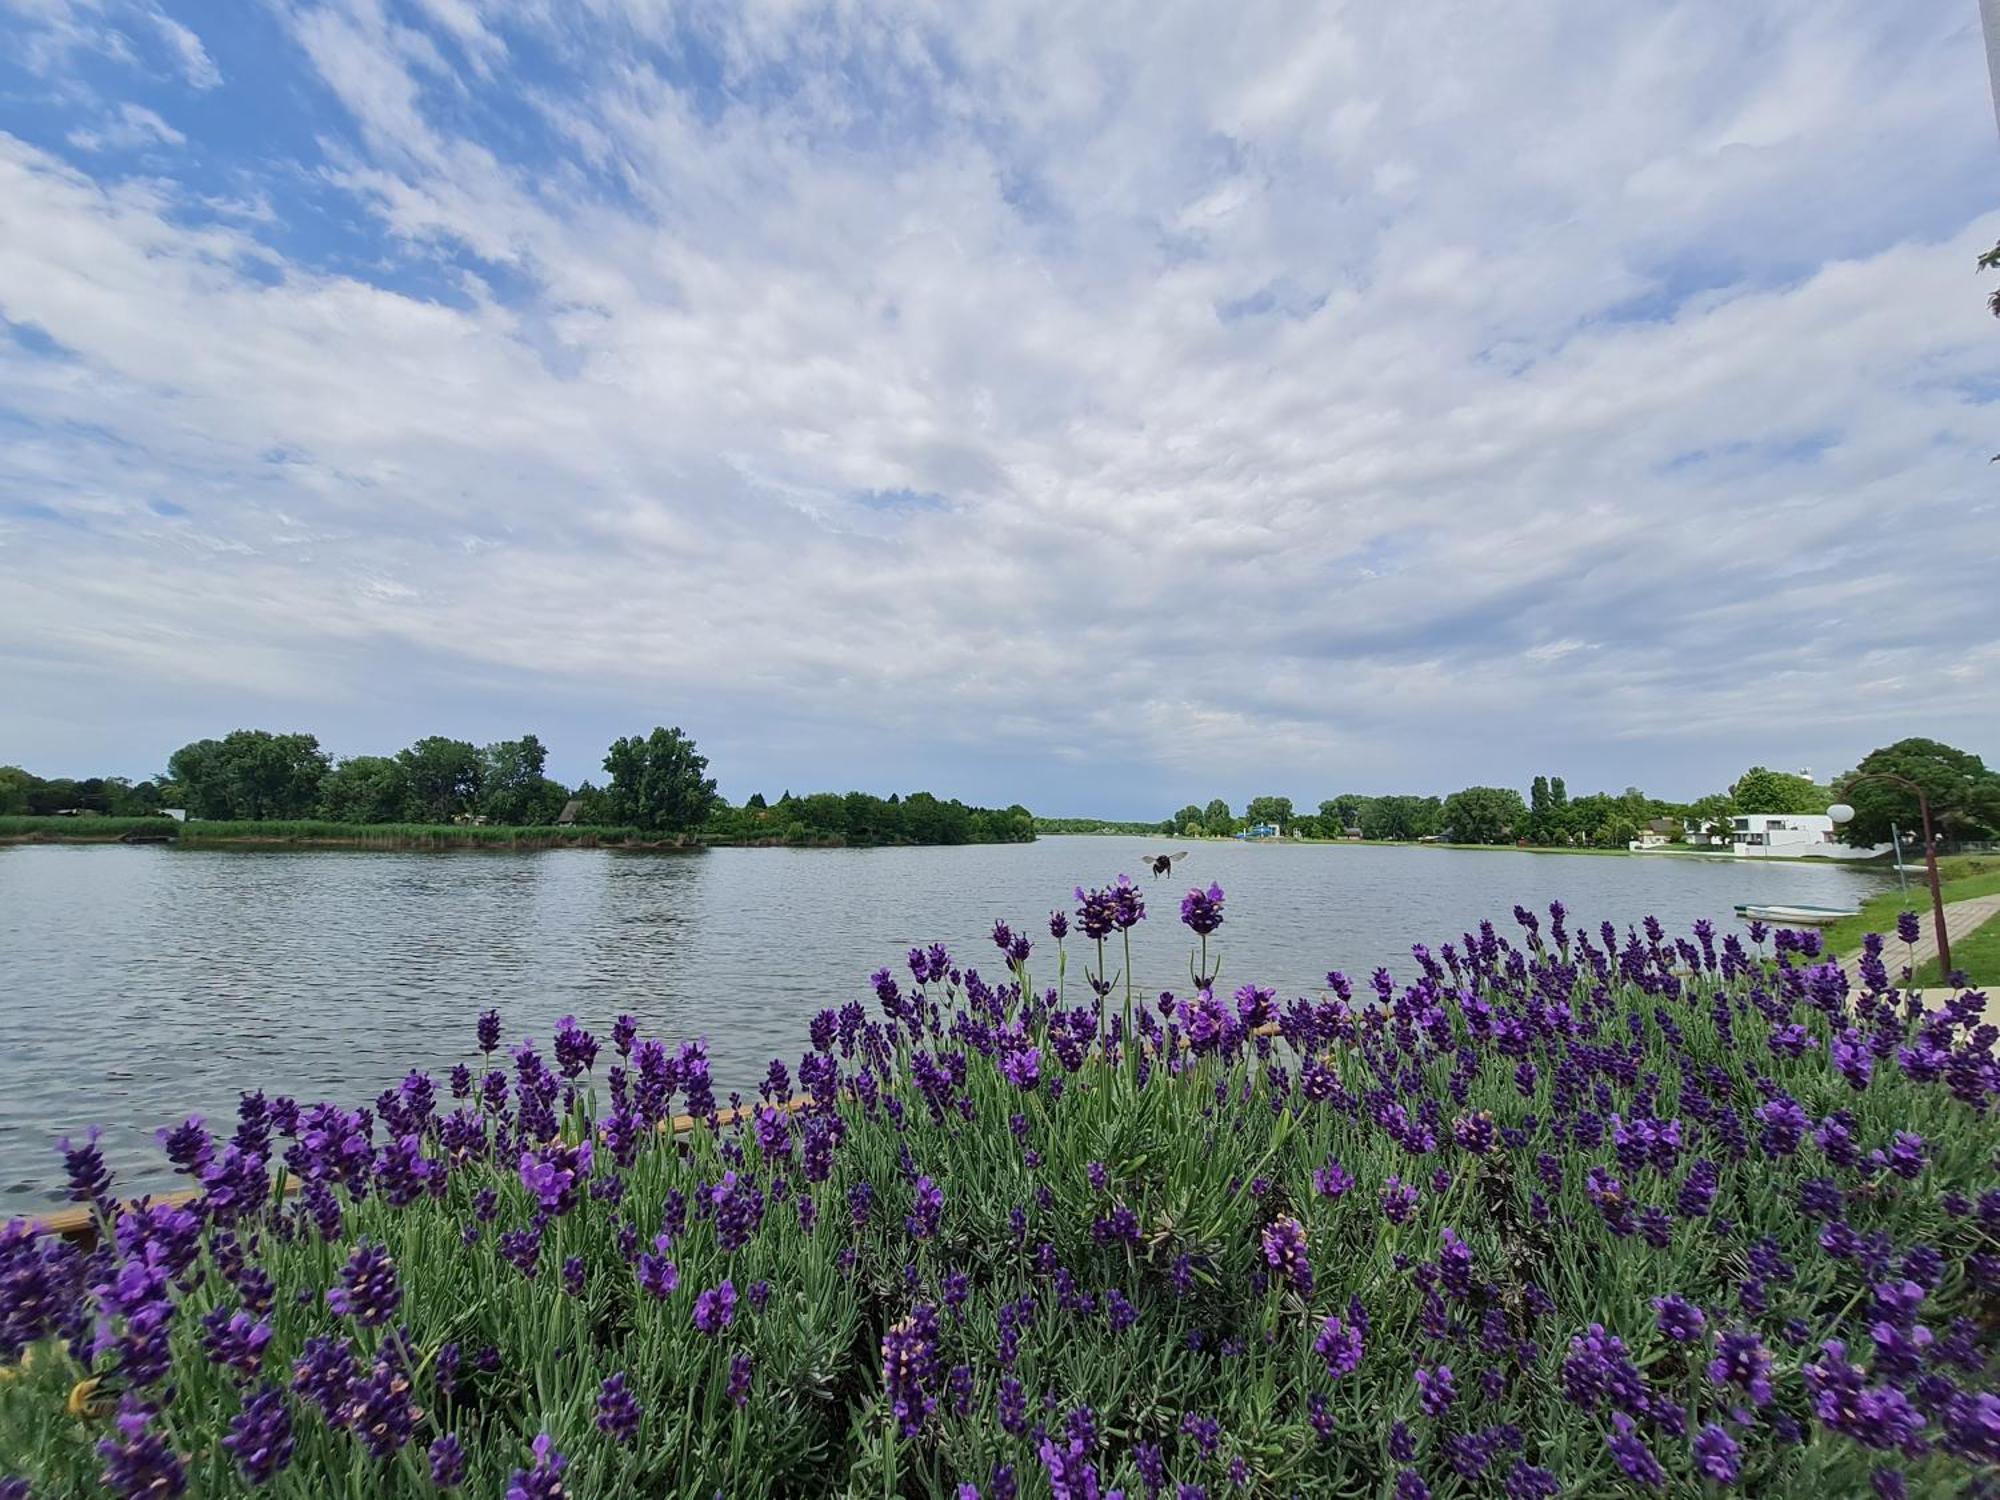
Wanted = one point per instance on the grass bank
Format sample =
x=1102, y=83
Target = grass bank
x=1976, y=955
x=1961, y=876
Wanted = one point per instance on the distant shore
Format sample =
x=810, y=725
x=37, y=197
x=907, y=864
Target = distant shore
x=390, y=836
x=1681, y=853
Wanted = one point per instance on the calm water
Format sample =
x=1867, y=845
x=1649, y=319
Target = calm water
x=141, y=984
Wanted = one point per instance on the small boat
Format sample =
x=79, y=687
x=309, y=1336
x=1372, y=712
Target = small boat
x=1795, y=916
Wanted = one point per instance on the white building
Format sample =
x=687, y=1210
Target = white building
x=1792, y=836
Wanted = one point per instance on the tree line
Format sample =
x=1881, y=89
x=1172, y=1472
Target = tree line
x=658, y=783
x=1964, y=797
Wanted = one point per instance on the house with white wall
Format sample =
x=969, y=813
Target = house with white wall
x=1792, y=836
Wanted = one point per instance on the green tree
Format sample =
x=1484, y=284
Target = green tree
x=15, y=787
x=1216, y=818
x=1712, y=812
x=1485, y=815
x=1338, y=814
x=513, y=787
x=660, y=783
x=1964, y=795
x=1187, y=820
x=1401, y=817
x=365, y=789
x=1541, y=821
x=758, y=804
x=1759, y=790
x=445, y=778
x=1276, y=811
x=250, y=773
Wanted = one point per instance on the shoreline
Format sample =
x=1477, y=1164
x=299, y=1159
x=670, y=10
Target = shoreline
x=442, y=840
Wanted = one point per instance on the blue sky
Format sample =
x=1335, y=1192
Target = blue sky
x=1103, y=406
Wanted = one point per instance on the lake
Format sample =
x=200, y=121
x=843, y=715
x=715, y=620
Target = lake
x=141, y=984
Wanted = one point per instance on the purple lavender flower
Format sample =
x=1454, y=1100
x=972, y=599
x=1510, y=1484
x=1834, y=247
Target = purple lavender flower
x=447, y=1462
x=1455, y=1267
x=555, y=1174
x=1742, y=1360
x=741, y=1370
x=1206, y=1432
x=89, y=1178
x=489, y=1031
x=1526, y=1481
x=1339, y=1345
x=541, y=1480
x=1331, y=1180
x=235, y=1339
x=139, y=1462
x=1632, y=1454
x=381, y=1407
x=522, y=1249
x=618, y=1411
x=1718, y=1455
x=658, y=1276
x=1201, y=910
x=715, y=1309
x=1907, y=928
x=926, y=1210
x=1285, y=1250
x=1679, y=1319
x=260, y=1436
x=368, y=1292
x=1399, y=1200
x=910, y=1368
x=1253, y=1005
x=1022, y=1068
x=1436, y=1390
x=576, y=1049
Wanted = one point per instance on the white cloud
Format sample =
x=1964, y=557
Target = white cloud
x=130, y=126
x=1347, y=399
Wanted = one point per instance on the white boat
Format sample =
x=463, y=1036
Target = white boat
x=1794, y=916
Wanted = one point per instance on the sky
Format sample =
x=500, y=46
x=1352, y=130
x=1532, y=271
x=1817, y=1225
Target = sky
x=1103, y=406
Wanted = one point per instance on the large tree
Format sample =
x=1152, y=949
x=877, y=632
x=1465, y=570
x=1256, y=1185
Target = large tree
x=445, y=777
x=514, y=788
x=1338, y=814
x=250, y=773
x=1964, y=795
x=1401, y=817
x=1276, y=811
x=1217, y=818
x=660, y=783
x=1759, y=790
x=365, y=789
x=1485, y=815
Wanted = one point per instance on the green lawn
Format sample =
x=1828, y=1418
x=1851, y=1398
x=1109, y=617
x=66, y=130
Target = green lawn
x=1977, y=954
x=1964, y=876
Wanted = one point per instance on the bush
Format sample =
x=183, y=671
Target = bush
x=1551, y=1218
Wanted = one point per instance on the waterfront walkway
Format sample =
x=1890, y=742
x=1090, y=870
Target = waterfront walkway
x=1961, y=918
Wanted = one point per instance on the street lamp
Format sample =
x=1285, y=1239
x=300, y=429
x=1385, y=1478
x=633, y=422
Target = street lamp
x=1842, y=814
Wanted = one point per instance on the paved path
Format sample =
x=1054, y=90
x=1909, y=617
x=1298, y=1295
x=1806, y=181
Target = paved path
x=1960, y=918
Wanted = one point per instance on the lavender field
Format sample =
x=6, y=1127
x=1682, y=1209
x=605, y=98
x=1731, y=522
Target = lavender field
x=1563, y=1209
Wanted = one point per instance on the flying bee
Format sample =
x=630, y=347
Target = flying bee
x=1163, y=864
